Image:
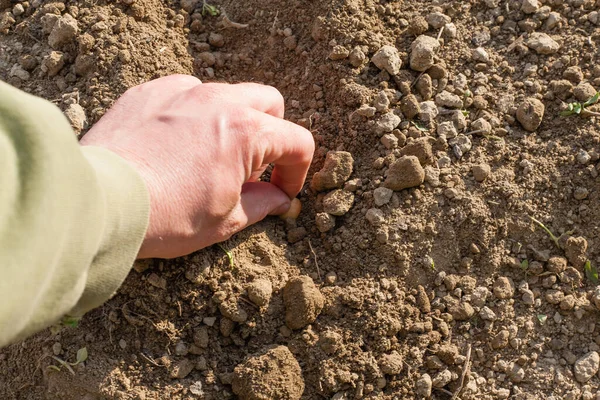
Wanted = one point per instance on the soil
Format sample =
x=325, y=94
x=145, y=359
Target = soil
x=422, y=275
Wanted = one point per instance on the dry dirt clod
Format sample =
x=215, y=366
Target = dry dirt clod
x=423, y=300
x=391, y=364
x=273, y=374
x=76, y=116
x=406, y=172
x=388, y=59
x=409, y=106
x=542, y=43
x=338, y=202
x=584, y=91
x=233, y=311
x=481, y=172
x=423, y=52
x=181, y=369
x=586, y=367
x=336, y=170
x=575, y=251
x=324, y=222
x=420, y=148
x=260, y=291
x=504, y=288
x=303, y=302
x=424, y=386
x=387, y=123
x=382, y=196
x=64, y=32
x=338, y=53
x=530, y=114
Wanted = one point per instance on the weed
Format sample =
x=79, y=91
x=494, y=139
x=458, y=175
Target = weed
x=591, y=272
x=82, y=355
x=542, y=318
x=525, y=265
x=548, y=231
x=419, y=126
x=229, y=255
x=577, y=108
x=209, y=9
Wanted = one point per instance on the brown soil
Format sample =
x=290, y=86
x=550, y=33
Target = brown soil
x=443, y=282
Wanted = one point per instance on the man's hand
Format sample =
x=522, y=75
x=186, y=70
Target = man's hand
x=200, y=149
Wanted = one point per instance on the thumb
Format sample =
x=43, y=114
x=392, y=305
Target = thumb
x=259, y=199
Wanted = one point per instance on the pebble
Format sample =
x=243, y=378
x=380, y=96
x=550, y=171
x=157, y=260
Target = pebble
x=387, y=123
x=584, y=91
x=260, y=291
x=542, y=43
x=19, y=72
x=437, y=19
x=336, y=170
x=382, y=196
x=504, y=288
x=487, y=314
x=530, y=6
x=406, y=172
x=366, y=111
x=76, y=116
x=389, y=140
x=409, y=105
x=530, y=114
x=553, y=20
x=461, y=311
x=338, y=202
x=216, y=39
x=53, y=63
x=424, y=86
x=375, y=216
x=181, y=369
x=428, y=111
x=528, y=297
x=500, y=340
x=232, y=310
x=381, y=101
x=447, y=130
x=18, y=9
x=201, y=338
x=481, y=172
x=586, y=367
x=449, y=100
x=387, y=58
x=324, y=222
x=423, y=386
x=461, y=145
x=422, y=53
x=481, y=126
x=339, y=53
x=580, y=193
x=303, y=302
x=480, y=54
x=357, y=57
x=420, y=148
x=583, y=157
x=64, y=32
x=442, y=379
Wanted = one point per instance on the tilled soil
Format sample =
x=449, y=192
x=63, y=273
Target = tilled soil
x=418, y=268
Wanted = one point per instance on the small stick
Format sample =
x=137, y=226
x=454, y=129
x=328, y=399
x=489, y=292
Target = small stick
x=449, y=393
x=316, y=262
x=465, y=370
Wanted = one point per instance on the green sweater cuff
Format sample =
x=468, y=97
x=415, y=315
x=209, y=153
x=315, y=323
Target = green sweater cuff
x=127, y=206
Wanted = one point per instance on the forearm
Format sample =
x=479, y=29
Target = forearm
x=71, y=220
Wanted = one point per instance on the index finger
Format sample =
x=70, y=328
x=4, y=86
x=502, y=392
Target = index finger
x=290, y=147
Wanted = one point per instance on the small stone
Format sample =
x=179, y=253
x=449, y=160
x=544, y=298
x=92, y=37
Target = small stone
x=447, y=130
x=336, y=170
x=504, y=288
x=324, y=222
x=19, y=72
x=556, y=264
x=387, y=123
x=157, y=281
x=209, y=321
x=201, y=338
x=423, y=52
x=232, y=310
x=584, y=91
x=382, y=195
x=422, y=300
x=381, y=101
x=64, y=32
x=586, y=367
x=529, y=6
x=366, y=111
x=338, y=202
x=181, y=349
x=57, y=348
x=449, y=100
x=442, y=379
x=76, y=116
x=481, y=126
x=428, y=112
x=580, y=193
x=273, y=374
x=53, y=63
x=375, y=216
x=357, y=57
x=542, y=43
x=216, y=40
x=517, y=373
x=18, y=10
x=181, y=369
x=481, y=172
x=260, y=291
x=461, y=311
x=553, y=20
x=461, y=145
x=480, y=55
x=487, y=314
x=303, y=302
x=437, y=19
x=583, y=157
x=409, y=105
x=388, y=59
x=424, y=87
x=389, y=140
x=500, y=341
x=528, y=297
x=423, y=386
x=573, y=74
x=420, y=148
x=406, y=172
x=391, y=364
x=418, y=25
x=339, y=53
x=530, y=114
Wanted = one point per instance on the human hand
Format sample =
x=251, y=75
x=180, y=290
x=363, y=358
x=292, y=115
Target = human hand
x=200, y=148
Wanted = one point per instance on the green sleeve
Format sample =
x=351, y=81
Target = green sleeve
x=72, y=218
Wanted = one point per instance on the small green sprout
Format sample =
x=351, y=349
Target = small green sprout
x=82, y=355
x=70, y=321
x=591, y=272
x=209, y=9
x=577, y=108
x=465, y=112
x=419, y=126
x=542, y=318
x=229, y=255
x=548, y=231
x=524, y=265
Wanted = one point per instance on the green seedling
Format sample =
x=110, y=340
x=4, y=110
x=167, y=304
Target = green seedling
x=229, y=255
x=591, y=272
x=209, y=9
x=82, y=355
x=542, y=318
x=548, y=231
x=577, y=108
x=525, y=265
x=419, y=126
x=465, y=112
